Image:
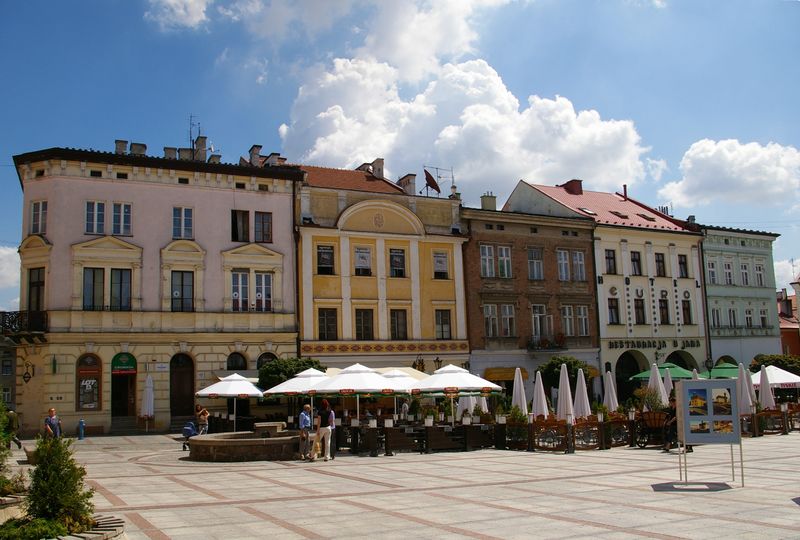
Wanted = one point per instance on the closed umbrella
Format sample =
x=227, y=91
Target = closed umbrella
x=466, y=403
x=743, y=391
x=695, y=375
x=610, y=398
x=564, y=411
x=518, y=396
x=232, y=386
x=581, y=406
x=655, y=383
x=765, y=397
x=482, y=404
x=539, y=405
x=148, y=410
x=751, y=388
x=668, y=386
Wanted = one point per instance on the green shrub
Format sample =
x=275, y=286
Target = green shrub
x=517, y=416
x=31, y=529
x=57, y=491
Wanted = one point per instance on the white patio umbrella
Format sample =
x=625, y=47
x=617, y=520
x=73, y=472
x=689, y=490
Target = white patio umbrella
x=147, y=410
x=695, y=375
x=356, y=380
x=765, y=397
x=400, y=380
x=668, y=386
x=743, y=390
x=539, y=405
x=778, y=378
x=518, y=395
x=232, y=386
x=301, y=384
x=655, y=383
x=581, y=406
x=610, y=398
x=454, y=380
x=564, y=410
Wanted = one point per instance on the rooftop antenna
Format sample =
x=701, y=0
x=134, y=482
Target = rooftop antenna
x=193, y=123
x=441, y=173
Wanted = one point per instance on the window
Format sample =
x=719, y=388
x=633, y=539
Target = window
x=578, y=266
x=443, y=324
x=122, y=176
x=39, y=217
x=661, y=267
x=567, y=321
x=745, y=273
x=716, y=318
x=712, y=272
x=397, y=263
x=611, y=261
x=263, y=227
x=508, y=327
x=120, y=289
x=663, y=310
x=263, y=300
x=182, y=291
x=240, y=290
x=748, y=318
x=398, y=323
x=764, y=318
x=487, y=261
x=7, y=367
x=325, y=260
x=327, y=324
x=732, y=317
x=490, y=320
x=562, y=257
x=264, y=359
x=87, y=381
x=181, y=222
x=504, y=261
x=182, y=180
x=7, y=396
x=582, y=317
x=613, y=311
x=440, y=265
x=535, y=268
x=93, y=289
x=638, y=311
x=686, y=311
x=95, y=174
x=121, y=219
x=542, y=323
x=364, y=324
x=363, y=261
x=240, y=223
x=728, y=269
x=236, y=362
x=683, y=266
x=95, y=217
x=636, y=263
x=759, y=275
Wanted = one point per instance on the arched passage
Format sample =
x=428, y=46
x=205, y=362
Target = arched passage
x=181, y=385
x=629, y=364
x=683, y=359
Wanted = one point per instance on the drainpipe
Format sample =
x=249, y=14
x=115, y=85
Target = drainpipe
x=296, y=232
x=702, y=278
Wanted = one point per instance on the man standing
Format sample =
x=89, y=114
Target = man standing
x=12, y=426
x=305, y=427
x=52, y=424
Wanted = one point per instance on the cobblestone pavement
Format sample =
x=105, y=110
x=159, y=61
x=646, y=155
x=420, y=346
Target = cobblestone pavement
x=618, y=493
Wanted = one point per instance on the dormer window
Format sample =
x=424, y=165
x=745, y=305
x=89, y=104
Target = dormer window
x=646, y=217
x=587, y=211
x=619, y=214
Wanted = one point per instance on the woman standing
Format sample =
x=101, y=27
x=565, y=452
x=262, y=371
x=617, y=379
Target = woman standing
x=202, y=419
x=323, y=425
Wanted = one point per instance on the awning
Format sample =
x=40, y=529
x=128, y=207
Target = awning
x=502, y=373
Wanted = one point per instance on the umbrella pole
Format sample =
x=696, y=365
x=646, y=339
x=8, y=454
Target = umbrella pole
x=358, y=400
x=234, y=414
x=453, y=409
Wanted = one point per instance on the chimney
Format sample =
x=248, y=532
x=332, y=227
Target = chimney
x=185, y=154
x=120, y=146
x=574, y=187
x=377, y=168
x=255, y=154
x=138, y=149
x=488, y=201
x=691, y=219
x=214, y=158
x=274, y=159
x=170, y=152
x=625, y=191
x=408, y=183
x=200, y=148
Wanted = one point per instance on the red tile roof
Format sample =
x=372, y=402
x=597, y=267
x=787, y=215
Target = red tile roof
x=354, y=180
x=611, y=209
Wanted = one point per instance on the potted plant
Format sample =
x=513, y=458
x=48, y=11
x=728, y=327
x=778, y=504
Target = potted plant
x=413, y=409
x=466, y=418
x=448, y=411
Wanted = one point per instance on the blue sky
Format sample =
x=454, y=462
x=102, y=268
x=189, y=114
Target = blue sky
x=690, y=103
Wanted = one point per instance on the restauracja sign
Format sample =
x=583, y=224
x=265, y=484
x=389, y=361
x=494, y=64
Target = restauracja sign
x=652, y=343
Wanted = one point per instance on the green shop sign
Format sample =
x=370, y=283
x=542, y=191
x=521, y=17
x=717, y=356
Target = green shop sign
x=123, y=364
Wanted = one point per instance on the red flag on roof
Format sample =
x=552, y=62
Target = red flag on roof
x=431, y=182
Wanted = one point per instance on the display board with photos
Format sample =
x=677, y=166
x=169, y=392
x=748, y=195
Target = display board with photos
x=708, y=412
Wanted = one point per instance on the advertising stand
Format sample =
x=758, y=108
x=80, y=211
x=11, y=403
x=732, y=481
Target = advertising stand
x=708, y=413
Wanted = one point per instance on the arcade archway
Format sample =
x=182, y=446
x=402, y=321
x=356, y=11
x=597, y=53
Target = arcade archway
x=629, y=364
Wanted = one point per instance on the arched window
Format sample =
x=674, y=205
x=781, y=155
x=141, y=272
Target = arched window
x=87, y=391
x=265, y=358
x=236, y=362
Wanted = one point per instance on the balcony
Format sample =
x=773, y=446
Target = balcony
x=21, y=326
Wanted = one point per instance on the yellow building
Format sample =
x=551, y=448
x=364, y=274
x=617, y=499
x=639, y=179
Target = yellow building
x=380, y=278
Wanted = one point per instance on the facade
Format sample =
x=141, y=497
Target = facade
x=787, y=317
x=177, y=267
x=649, y=278
x=380, y=277
x=530, y=291
x=740, y=294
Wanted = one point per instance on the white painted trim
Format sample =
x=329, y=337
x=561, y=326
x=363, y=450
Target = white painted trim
x=461, y=311
x=383, y=314
x=415, y=268
x=308, y=285
x=344, y=271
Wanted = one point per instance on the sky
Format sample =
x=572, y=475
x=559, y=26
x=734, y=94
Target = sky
x=691, y=104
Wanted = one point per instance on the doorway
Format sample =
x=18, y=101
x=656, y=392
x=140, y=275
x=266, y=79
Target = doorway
x=123, y=395
x=181, y=385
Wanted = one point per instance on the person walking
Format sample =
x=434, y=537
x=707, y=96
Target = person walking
x=305, y=429
x=201, y=413
x=52, y=424
x=12, y=426
x=323, y=425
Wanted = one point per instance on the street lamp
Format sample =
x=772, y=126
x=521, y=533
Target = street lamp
x=437, y=362
x=709, y=363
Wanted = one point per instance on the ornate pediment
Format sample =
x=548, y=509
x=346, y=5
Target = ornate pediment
x=382, y=217
x=252, y=256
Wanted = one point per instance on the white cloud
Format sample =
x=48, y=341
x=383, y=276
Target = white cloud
x=784, y=275
x=656, y=168
x=9, y=267
x=730, y=171
x=465, y=117
x=174, y=14
x=259, y=67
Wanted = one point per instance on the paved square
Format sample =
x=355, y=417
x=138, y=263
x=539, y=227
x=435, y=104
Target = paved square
x=618, y=493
